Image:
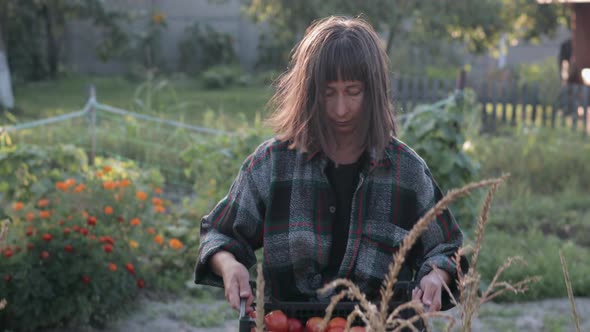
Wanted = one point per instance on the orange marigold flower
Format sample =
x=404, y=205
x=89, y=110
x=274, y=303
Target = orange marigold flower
x=133, y=244
x=107, y=169
x=30, y=216
x=108, y=248
x=99, y=174
x=92, y=237
x=8, y=253
x=108, y=210
x=158, y=191
x=69, y=248
x=43, y=202
x=151, y=230
x=124, y=183
x=175, y=244
x=159, y=209
x=45, y=214
x=67, y=231
x=47, y=237
x=159, y=239
x=83, y=231
x=45, y=255
x=85, y=214
x=113, y=267
x=17, y=206
x=30, y=231
x=109, y=185
x=135, y=222
x=140, y=283
x=86, y=279
x=79, y=188
x=158, y=18
x=70, y=182
x=141, y=195
x=61, y=186
x=157, y=201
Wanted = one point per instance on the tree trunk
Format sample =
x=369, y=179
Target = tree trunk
x=6, y=96
x=52, y=50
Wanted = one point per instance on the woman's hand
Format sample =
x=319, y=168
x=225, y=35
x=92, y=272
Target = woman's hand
x=236, y=279
x=431, y=288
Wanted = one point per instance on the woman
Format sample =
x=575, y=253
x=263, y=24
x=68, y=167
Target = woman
x=334, y=193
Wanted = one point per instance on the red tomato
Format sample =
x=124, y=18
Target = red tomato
x=357, y=329
x=313, y=324
x=294, y=325
x=336, y=322
x=276, y=321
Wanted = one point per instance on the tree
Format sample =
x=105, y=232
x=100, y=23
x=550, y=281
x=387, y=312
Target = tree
x=476, y=24
x=33, y=31
x=6, y=96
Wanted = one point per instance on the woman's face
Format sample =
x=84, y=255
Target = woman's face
x=344, y=106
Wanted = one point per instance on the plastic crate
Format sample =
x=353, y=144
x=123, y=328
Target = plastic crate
x=305, y=310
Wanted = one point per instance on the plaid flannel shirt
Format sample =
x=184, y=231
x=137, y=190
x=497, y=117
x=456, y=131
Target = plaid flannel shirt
x=281, y=200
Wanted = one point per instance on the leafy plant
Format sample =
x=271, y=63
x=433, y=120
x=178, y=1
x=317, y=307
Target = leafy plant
x=438, y=133
x=205, y=47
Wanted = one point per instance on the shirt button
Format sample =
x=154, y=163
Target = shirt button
x=332, y=209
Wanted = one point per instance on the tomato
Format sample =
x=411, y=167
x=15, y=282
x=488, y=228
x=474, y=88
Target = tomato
x=294, y=325
x=336, y=322
x=357, y=329
x=313, y=324
x=276, y=321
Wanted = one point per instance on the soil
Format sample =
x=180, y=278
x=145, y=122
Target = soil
x=186, y=315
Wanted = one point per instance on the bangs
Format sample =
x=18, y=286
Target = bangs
x=342, y=60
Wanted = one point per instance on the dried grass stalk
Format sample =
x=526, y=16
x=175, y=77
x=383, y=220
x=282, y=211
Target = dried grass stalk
x=570, y=293
x=417, y=230
x=259, y=299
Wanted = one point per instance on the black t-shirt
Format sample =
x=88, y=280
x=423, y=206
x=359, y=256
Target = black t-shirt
x=344, y=180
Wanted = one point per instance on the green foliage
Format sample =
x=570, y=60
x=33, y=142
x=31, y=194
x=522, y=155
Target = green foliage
x=28, y=172
x=32, y=31
x=204, y=48
x=438, y=133
x=543, y=76
x=476, y=24
x=79, y=254
x=543, y=161
x=219, y=77
x=541, y=254
x=144, y=45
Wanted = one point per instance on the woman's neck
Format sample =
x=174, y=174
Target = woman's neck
x=346, y=151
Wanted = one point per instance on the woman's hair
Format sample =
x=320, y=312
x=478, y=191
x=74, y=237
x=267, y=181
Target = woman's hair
x=334, y=48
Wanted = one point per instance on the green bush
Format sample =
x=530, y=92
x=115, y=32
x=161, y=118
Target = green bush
x=438, y=133
x=204, y=48
x=80, y=253
x=221, y=76
x=544, y=75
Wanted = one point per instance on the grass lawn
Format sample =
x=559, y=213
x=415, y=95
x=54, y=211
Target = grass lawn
x=179, y=98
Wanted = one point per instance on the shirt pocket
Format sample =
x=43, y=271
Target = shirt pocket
x=383, y=235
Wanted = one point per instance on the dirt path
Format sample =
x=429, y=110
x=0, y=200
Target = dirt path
x=186, y=315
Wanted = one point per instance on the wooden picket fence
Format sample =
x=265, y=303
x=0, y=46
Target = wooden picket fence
x=504, y=103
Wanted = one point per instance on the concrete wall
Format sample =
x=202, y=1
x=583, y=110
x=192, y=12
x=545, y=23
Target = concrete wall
x=81, y=38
